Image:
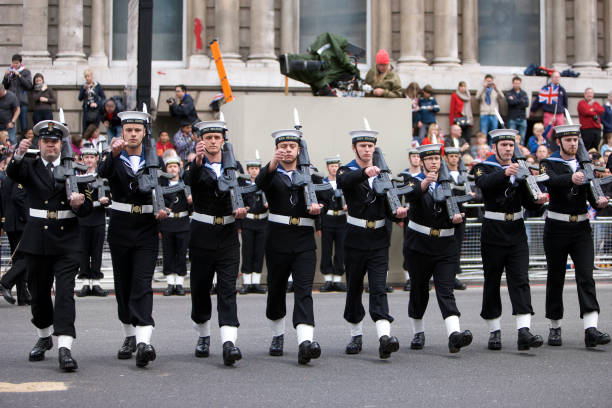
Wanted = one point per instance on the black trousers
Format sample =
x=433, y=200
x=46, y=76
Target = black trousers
x=301, y=266
x=42, y=269
x=459, y=234
x=591, y=138
x=253, y=249
x=133, y=269
x=174, y=247
x=92, y=239
x=204, y=264
x=332, y=251
x=421, y=268
x=375, y=262
x=17, y=274
x=515, y=260
x=558, y=244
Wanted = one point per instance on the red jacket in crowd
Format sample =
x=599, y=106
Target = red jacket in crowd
x=589, y=114
x=456, y=107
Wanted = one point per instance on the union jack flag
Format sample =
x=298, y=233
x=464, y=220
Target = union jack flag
x=549, y=94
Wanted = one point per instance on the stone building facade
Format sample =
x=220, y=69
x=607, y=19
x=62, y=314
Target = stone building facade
x=437, y=42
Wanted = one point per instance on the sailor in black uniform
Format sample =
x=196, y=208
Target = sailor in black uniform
x=14, y=217
x=290, y=247
x=333, y=224
x=366, y=245
x=132, y=236
x=252, y=232
x=503, y=240
x=414, y=159
x=50, y=241
x=430, y=250
x=213, y=245
x=567, y=231
x=452, y=155
x=92, y=230
x=175, y=231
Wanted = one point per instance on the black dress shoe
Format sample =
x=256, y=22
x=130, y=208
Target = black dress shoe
x=554, y=337
x=457, y=340
x=203, y=347
x=354, y=346
x=389, y=289
x=179, y=290
x=257, y=288
x=245, y=289
x=308, y=350
x=6, y=293
x=407, y=286
x=593, y=337
x=85, y=291
x=339, y=287
x=127, y=349
x=418, y=341
x=276, y=347
x=289, y=287
x=169, y=290
x=38, y=351
x=495, y=342
x=66, y=362
x=526, y=340
x=327, y=287
x=144, y=354
x=96, y=290
x=460, y=285
x=231, y=353
x=388, y=345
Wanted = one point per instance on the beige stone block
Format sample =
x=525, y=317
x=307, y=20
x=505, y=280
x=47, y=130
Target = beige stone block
x=244, y=17
x=11, y=14
x=10, y=35
x=68, y=100
x=6, y=52
x=73, y=120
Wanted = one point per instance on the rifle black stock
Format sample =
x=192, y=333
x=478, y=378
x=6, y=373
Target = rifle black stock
x=382, y=184
x=588, y=169
x=444, y=192
x=524, y=173
x=303, y=177
x=228, y=181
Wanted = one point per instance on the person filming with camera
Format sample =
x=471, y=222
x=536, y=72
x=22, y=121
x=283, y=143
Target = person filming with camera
x=182, y=107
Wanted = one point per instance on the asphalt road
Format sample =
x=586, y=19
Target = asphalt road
x=569, y=376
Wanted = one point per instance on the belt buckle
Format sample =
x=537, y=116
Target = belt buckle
x=176, y=215
x=137, y=209
x=294, y=220
x=255, y=216
x=371, y=224
x=336, y=212
x=218, y=220
x=52, y=215
x=434, y=232
x=573, y=218
x=509, y=217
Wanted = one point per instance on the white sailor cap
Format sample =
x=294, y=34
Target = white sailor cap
x=287, y=135
x=253, y=163
x=210, y=126
x=89, y=149
x=430, y=150
x=567, y=130
x=412, y=150
x=134, y=117
x=172, y=160
x=451, y=150
x=498, y=135
x=363, y=136
x=51, y=129
x=333, y=160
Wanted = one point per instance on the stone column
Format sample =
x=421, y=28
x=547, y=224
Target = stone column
x=468, y=33
x=445, y=33
x=70, y=31
x=412, y=33
x=585, y=34
x=34, y=51
x=559, y=43
x=98, y=56
x=384, y=26
x=262, y=33
x=227, y=28
x=608, y=33
x=289, y=27
x=197, y=29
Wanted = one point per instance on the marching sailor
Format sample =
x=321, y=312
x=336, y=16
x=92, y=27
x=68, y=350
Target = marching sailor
x=414, y=160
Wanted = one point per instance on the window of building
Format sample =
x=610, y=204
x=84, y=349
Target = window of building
x=509, y=32
x=348, y=18
x=168, y=30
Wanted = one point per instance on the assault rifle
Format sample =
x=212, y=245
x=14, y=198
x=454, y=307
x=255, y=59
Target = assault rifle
x=228, y=181
x=443, y=193
x=588, y=169
x=382, y=184
x=524, y=173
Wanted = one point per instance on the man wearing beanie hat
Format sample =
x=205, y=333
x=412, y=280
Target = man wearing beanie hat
x=503, y=240
x=382, y=78
x=568, y=232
